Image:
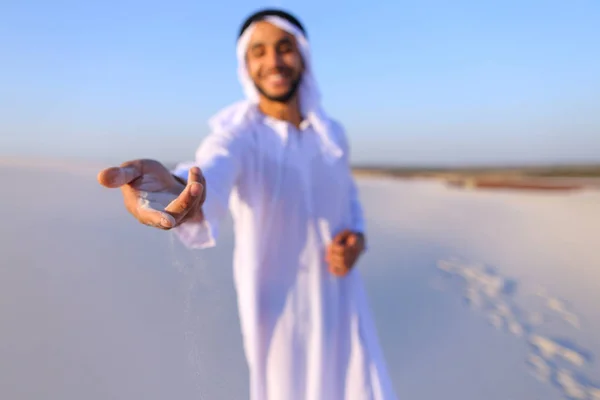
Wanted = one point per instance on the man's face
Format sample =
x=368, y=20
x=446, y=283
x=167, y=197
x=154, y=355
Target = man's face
x=274, y=62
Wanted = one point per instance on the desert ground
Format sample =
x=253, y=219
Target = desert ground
x=477, y=294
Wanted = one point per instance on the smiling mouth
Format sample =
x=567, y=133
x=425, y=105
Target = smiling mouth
x=278, y=76
x=278, y=86
x=277, y=79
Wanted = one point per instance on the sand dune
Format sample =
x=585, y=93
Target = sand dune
x=476, y=295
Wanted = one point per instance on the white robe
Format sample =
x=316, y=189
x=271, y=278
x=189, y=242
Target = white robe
x=308, y=335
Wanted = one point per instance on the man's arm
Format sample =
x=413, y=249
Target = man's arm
x=348, y=245
x=219, y=158
x=356, y=209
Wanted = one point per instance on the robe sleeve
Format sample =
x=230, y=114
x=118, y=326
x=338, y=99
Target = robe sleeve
x=356, y=209
x=357, y=216
x=219, y=159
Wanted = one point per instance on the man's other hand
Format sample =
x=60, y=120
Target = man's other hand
x=344, y=251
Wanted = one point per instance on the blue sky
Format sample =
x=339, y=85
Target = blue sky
x=414, y=82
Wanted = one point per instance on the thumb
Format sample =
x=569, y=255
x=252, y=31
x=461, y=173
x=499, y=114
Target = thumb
x=352, y=240
x=115, y=177
x=341, y=237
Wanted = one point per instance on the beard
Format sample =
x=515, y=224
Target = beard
x=285, y=97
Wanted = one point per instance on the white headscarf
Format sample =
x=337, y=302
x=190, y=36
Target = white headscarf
x=308, y=92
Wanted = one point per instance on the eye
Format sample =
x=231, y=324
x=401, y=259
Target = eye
x=284, y=47
x=257, y=51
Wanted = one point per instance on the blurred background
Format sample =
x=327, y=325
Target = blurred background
x=475, y=133
x=415, y=82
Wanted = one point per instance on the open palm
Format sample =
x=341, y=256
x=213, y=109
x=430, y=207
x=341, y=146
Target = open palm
x=153, y=195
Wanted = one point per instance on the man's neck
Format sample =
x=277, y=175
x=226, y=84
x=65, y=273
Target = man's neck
x=289, y=111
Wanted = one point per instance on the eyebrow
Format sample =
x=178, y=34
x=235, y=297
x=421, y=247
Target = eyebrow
x=282, y=40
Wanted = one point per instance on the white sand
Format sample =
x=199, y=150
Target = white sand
x=476, y=295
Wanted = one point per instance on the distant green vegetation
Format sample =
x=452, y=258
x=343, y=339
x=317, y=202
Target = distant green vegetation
x=571, y=172
x=549, y=171
x=567, y=171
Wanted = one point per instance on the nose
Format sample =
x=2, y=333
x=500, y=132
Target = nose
x=274, y=59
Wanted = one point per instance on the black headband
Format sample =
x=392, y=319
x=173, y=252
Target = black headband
x=260, y=15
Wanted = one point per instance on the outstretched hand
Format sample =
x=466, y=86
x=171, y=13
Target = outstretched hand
x=344, y=251
x=154, y=196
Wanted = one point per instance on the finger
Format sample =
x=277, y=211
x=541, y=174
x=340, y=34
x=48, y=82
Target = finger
x=338, y=250
x=155, y=218
x=190, y=197
x=145, y=209
x=148, y=209
x=338, y=269
x=328, y=257
x=193, y=190
x=184, y=204
x=337, y=259
x=329, y=248
x=332, y=251
x=195, y=176
x=115, y=177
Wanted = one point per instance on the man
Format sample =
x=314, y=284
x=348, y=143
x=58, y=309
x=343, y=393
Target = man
x=280, y=165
